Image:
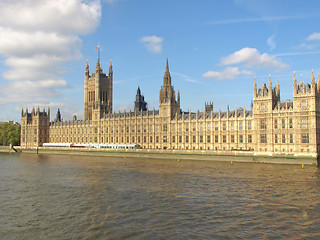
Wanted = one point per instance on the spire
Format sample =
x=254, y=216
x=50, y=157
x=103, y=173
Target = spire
x=87, y=65
x=98, y=65
x=294, y=78
x=110, y=66
x=270, y=84
x=167, y=67
x=254, y=86
x=167, y=77
x=278, y=89
x=138, y=91
x=312, y=78
x=301, y=82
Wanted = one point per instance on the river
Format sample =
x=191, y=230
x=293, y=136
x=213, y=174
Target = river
x=78, y=197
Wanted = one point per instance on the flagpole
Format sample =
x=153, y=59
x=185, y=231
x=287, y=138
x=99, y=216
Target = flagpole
x=98, y=48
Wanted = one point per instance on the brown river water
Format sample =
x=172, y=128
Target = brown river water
x=78, y=197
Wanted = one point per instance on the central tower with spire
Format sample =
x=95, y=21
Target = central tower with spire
x=98, y=88
x=168, y=105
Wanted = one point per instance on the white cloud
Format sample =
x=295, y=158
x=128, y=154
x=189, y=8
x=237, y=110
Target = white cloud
x=152, y=43
x=258, y=19
x=226, y=74
x=36, y=40
x=185, y=77
x=271, y=43
x=251, y=57
x=314, y=36
x=306, y=46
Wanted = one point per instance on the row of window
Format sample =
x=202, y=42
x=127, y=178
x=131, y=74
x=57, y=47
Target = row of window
x=277, y=139
x=282, y=124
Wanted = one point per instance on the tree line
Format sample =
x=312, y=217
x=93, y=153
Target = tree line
x=10, y=133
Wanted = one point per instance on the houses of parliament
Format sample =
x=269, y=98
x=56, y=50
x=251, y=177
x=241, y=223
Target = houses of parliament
x=271, y=127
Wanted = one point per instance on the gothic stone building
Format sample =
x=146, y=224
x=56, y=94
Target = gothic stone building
x=270, y=127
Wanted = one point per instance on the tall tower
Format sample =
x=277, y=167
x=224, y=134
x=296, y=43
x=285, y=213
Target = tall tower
x=98, y=88
x=264, y=102
x=140, y=104
x=168, y=105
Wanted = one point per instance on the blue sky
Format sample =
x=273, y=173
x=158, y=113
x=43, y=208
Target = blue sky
x=214, y=50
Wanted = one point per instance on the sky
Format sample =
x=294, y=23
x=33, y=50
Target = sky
x=215, y=50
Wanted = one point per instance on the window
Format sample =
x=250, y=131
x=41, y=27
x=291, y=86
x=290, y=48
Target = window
x=224, y=126
x=208, y=127
x=173, y=127
x=201, y=127
x=157, y=128
x=151, y=128
x=232, y=126
x=232, y=138
x=249, y=138
x=304, y=123
x=131, y=128
x=164, y=139
x=187, y=127
x=263, y=107
x=304, y=104
x=263, y=124
x=249, y=125
x=164, y=127
x=150, y=139
x=180, y=127
x=283, y=123
x=144, y=128
x=157, y=139
x=263, y=138
x=291, y=138
x=139, y=129
x=283, y=138
x=216, y=138
x=290, y=123
x=187, y=139
x=305, y=138
x=208, y=139
x=194, y=139
x=144, y=139
x=194, y=127
x=224, y=138
x=241, y=138
x=180, y=139
x=276, y=138
x=173, y=139
x=216, y=126
x=201, y=139
x=275, y=124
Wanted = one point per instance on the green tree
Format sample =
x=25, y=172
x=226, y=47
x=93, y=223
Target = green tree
x=10, y=133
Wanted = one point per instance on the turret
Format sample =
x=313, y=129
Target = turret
x=110, y=69
x=254, y=87
x=294, y=83
x=270, y=85
x=313, y=83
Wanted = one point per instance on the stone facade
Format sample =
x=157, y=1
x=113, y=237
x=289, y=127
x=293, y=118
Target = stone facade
x=270, y=127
